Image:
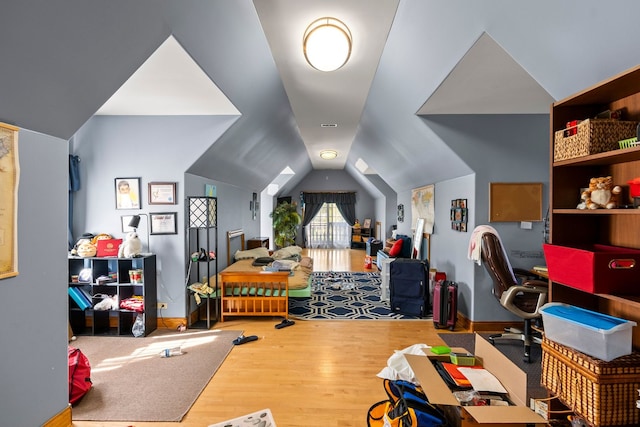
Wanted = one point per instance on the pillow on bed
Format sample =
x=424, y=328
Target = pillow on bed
x=288, y=252
x=251, y=253
x=306, y=262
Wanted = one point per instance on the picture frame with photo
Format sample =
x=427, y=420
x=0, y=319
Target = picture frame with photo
x=459, y=215
x=127, y=191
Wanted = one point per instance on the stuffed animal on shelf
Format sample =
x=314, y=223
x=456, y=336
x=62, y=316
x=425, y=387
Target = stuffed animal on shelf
x=101, y=236
x=131, y=247
x=84, y=248
x=601, y=194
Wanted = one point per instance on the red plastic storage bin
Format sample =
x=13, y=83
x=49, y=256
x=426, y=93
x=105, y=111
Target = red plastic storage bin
x=598, y=269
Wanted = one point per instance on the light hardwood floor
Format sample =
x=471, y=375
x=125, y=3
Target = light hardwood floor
x=314, y=373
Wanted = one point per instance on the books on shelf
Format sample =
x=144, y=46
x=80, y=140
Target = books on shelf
x=79, y=298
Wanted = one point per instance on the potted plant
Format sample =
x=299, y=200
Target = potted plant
x=285, y=224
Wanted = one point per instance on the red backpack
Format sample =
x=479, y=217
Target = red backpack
x=79, y=375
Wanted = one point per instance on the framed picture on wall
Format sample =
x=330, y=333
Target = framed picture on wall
x=127, y=193
x=366, y=223
x=164, y=222
x=162, y=193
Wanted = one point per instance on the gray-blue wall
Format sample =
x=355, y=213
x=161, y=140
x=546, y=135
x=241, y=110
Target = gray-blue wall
x=336, y=180
x=156, y=149
x=33, y=305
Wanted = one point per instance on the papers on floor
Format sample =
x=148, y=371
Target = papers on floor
x=261, y=418
x=482, y=380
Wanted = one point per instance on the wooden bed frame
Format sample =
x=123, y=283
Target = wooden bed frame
x=252, y=293
x=247, y=293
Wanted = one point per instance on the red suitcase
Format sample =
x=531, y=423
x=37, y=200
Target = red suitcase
x=445, y=304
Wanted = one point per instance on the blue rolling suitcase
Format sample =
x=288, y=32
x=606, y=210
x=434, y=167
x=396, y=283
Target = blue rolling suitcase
x=409, y=287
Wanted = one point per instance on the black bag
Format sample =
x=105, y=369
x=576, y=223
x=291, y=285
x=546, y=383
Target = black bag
x=262, y=261
x=409, y=286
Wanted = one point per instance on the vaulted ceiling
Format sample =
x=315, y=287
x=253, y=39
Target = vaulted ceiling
x=65, y=60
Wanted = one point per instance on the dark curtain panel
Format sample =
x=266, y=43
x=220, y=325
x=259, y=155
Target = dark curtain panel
x=74, y=185
x=312, y=205
x=346, y=203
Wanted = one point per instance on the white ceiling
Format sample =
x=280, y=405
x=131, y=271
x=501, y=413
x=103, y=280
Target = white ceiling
x=486, y=80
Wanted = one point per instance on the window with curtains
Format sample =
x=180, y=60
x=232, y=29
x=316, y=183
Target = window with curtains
x=328, y=229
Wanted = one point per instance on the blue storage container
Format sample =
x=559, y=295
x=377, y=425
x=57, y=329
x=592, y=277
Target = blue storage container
x=596, y=334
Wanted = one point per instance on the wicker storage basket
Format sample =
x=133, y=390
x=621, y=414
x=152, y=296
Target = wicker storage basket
x=604, y=393
x=592, y=137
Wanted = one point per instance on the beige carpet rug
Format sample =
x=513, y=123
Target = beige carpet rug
x=131, y=382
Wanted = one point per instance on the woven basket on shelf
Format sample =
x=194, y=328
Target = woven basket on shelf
x=593, y=136
x=604, y=393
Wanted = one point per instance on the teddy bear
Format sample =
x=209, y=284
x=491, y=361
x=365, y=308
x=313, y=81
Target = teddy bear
x=131, y=247
x=600, y=194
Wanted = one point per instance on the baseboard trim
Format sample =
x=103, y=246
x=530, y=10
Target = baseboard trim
x=171, y=322
x=62, y=419
x=483, y=327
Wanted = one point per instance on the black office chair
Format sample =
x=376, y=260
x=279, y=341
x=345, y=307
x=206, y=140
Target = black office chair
x=523, y=299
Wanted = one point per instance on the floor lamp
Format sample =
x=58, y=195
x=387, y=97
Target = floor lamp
x=135, y=222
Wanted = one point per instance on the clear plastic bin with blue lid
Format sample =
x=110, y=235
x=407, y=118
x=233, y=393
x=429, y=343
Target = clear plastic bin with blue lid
x=595, y=334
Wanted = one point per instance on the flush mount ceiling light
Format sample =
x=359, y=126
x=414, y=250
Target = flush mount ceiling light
x=327, y=44
x=328, y=154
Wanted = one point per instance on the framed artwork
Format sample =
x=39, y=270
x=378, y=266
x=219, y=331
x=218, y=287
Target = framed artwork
x=210, y=190
x=422, y=206
x=459, y=214
x=10, y=174
x=254, y=206
x=366, y=223
x=164, y=223
x=400, y=213
x=162, y=193
x=127, y=193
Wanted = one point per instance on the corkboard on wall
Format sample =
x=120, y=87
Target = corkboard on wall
x=520, y=201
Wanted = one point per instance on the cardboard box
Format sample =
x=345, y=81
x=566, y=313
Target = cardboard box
x=512, y=378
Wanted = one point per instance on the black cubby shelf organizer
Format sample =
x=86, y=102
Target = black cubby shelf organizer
x=123, y=278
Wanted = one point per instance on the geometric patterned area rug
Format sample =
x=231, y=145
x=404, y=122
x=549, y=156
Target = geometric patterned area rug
x=344, y=295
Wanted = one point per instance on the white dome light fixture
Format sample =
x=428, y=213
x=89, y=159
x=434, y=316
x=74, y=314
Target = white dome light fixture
x=327, y=44
x=328, y=154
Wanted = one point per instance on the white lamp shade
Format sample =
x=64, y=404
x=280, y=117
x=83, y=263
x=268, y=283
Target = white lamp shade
x=327, y=44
